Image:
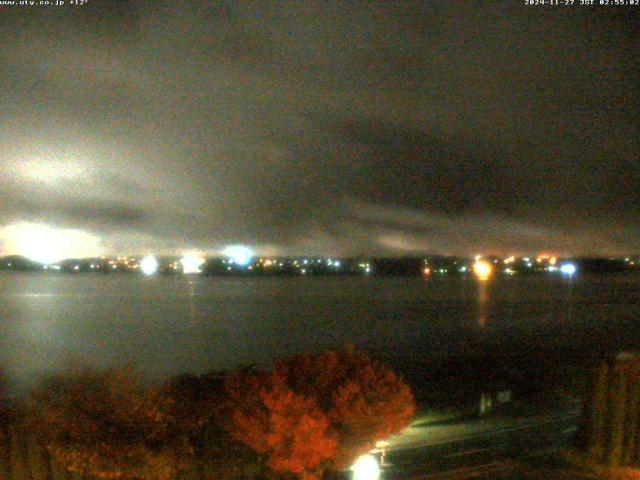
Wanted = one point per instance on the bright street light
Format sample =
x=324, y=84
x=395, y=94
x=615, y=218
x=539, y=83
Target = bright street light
x=568, y=269
x=366, y=467
x=482, y=269
x=149, y=265
x=191, y=263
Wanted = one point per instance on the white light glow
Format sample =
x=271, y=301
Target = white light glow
x=568, y=269
x=149, y=265
x=191, y=263
x=240, y=254
x=366, y=467
x=45, y=244
x=42, y=169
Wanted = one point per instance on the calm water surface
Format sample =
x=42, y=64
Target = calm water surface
x=167, y=325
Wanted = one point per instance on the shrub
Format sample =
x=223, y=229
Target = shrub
x=196, y=401
x=106, y=424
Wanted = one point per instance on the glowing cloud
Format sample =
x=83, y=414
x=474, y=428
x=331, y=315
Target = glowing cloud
x=48, y=170
x=45, y=244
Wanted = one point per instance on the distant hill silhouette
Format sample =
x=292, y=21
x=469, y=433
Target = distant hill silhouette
x=19, y=263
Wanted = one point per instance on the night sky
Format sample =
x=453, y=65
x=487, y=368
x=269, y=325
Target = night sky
x=319, y=127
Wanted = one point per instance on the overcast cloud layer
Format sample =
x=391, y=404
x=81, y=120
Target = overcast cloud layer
x=337, y=128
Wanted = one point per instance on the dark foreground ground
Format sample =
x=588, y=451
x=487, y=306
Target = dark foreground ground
x=528, y=437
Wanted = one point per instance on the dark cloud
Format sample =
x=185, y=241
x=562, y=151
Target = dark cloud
x=412, y=167
x=292, y=126
x=71, y=211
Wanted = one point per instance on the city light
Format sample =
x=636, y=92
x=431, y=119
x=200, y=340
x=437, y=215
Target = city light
x=240, y=254
x=568, y=269
x=191, y=263
x=366, y=467
x=482, y=269
x=149, y=265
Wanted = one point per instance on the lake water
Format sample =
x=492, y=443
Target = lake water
x=169, y=325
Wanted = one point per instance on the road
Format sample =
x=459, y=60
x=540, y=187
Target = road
x=474, y=449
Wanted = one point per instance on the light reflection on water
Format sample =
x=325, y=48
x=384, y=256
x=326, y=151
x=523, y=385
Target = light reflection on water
x=483, y=296
x=168, y=325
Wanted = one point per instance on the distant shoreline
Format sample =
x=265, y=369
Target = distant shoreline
x=414, y=266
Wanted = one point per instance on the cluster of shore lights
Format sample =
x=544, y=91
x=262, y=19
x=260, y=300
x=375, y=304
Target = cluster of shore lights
x=192, y=263
x=483, y=269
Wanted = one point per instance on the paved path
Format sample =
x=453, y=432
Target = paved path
x=474, y=449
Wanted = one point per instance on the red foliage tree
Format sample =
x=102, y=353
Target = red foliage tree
x=274, y=421
x=364, y=400
x=315, y=411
